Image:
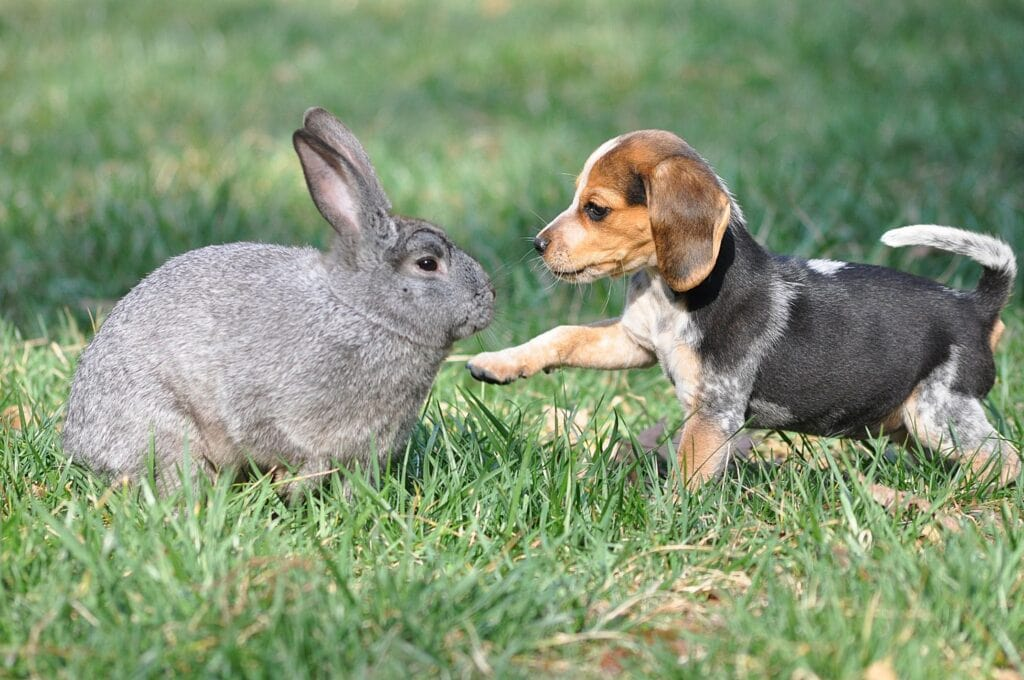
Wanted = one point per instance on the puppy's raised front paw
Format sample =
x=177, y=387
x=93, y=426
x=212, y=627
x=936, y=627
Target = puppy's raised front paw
x=499, y=368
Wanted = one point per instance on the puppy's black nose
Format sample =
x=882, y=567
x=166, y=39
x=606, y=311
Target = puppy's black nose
x=540, y=244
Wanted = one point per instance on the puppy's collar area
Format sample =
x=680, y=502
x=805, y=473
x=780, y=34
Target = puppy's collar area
x=708, y=290
x=740, y=270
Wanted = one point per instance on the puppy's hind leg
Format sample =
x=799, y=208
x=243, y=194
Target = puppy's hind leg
x=954, y=425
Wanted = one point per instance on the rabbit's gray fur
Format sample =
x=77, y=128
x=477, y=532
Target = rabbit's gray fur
x=287, y=357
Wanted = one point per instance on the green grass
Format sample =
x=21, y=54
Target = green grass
x=134, y=131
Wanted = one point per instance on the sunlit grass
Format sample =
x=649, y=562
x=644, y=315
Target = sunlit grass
x=505, y=543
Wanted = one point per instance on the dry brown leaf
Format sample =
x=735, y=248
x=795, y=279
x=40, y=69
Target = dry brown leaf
x=896, y=501
x=772, y=447
x=880, y=670
x=12, y=417
x=713, y=581
x=842, y=555
x=804, y=674
x=560, y=422
x=1006, y=674
x=931, y=534
x=611, y=660
x=650, y=442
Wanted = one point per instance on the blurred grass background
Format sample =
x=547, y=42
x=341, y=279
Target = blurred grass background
x=134, y=131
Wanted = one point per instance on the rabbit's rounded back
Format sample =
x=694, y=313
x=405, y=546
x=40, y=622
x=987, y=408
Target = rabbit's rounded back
x=290, y=358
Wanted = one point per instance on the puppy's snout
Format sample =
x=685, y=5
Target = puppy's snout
x=540, y=244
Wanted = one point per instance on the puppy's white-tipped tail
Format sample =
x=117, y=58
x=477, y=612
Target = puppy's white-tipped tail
x=993, y=254
x=988, y=251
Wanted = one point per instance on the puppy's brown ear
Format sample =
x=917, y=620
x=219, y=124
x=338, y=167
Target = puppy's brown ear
x=689, y=213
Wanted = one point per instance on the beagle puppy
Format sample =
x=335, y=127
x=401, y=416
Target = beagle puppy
x=752, y=338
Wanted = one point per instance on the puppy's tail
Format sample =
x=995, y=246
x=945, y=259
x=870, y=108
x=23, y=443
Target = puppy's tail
x=994, y=255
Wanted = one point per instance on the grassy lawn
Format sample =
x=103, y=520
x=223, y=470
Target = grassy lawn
x=512, y=540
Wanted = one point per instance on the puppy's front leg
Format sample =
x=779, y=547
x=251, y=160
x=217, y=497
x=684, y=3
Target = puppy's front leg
x=604, y=344
x=703, y=450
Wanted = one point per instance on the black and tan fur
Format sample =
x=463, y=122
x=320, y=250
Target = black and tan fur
x=751, y=338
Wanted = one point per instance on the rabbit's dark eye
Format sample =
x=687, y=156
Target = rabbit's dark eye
x=427, y=264
x=595, y=211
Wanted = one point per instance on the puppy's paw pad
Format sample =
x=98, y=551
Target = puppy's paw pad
x=495, y=368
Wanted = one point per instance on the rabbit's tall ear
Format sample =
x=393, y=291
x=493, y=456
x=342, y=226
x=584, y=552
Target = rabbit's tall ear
x=333, y=132
x=342, y=181
x=330, y=184
x=689, y=212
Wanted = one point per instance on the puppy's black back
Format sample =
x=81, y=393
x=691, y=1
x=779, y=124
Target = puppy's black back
x=857, y=343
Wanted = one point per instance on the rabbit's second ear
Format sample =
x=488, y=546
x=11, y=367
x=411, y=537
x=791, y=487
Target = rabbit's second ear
x=336, y=188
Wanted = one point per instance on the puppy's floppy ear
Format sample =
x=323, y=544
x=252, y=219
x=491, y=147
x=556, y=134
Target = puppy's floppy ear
x=689, y=213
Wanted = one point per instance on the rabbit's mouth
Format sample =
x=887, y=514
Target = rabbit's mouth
x=475, y=322
x=470, y=326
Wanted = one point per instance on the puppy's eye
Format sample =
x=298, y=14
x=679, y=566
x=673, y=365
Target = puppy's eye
x=427, y=264
x=595, y=211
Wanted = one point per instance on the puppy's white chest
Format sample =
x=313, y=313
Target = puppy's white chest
x=656, y=322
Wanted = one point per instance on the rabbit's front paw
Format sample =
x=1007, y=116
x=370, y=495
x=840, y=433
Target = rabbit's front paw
x=499, y=368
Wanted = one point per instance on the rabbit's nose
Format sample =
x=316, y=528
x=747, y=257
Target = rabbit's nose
x=540, y=244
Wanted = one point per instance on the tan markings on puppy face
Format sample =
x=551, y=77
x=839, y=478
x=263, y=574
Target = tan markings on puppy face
x=607, y=230
x=583, y=178
x=997, y=334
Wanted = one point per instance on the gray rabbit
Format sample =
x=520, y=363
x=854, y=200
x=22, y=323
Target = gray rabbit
x=291, y=358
